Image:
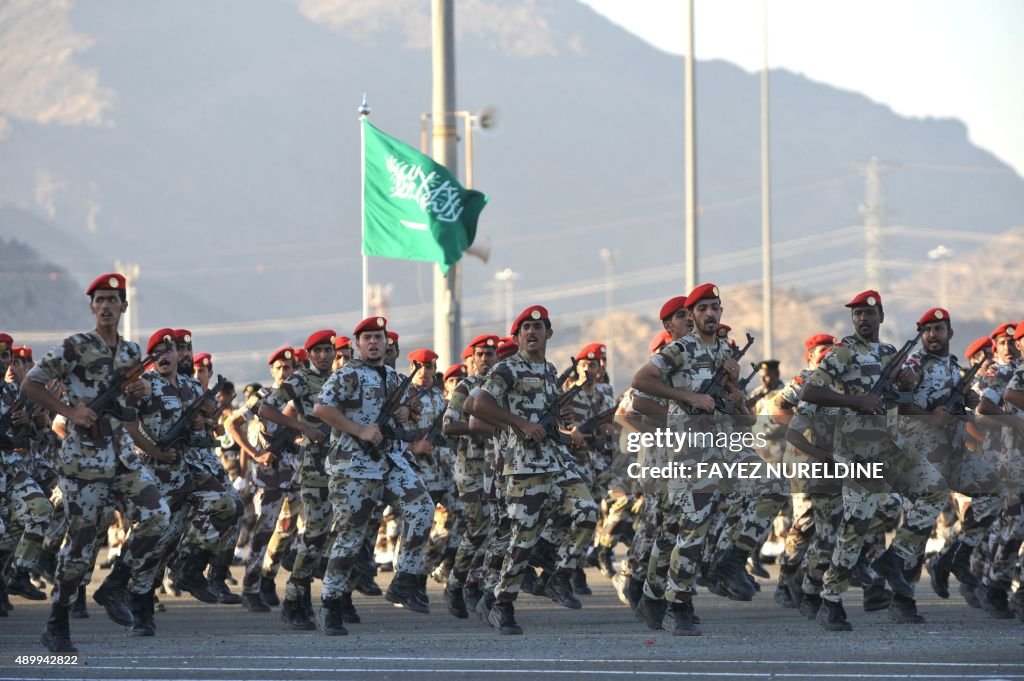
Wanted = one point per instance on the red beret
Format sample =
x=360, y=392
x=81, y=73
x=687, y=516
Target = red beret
x=507, y=346
x=819, y=339
x=659, y=341
x=700, y=293
x=112, y=281
x=458, y=370
x=371, y=324
x=181, y=335
x=422, y=355
x=6, y=342
x=865, y=298
x=467, y=352
x=287, y=352
x=936, y=314
x=1007, y=328
x=159, y=336
x=723, y=330
x=977, y=345
x=203, y=359
x=671, y=306
x=487, y=340
x=392, y=338
x=22, y=352
x=591, y=351
x=301, y=355
x=341, y=342
x=534, y=312
x=318, y=337
x=1019, y=332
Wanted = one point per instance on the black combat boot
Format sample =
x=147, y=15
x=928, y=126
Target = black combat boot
x=78, y=608
x=889, y=566
x=503, y=618
x=112, y=595
x=57, y=635
x=421, y=589
x=679, y=620
x=403, y=591
x=903, y=610
x=268, y=591
x=578, y=582
x=876, y=597
x=731, y=573
x=832, y=617
x=190, y=576
x=529, y=580
x=994, y=601
x=217, y=583
x=46, y=565
x=143, y=609
x=651, y=611
x=969, y=596
x=560, y=590
x=307, y=603
x=456, y=602
x=253, y=603
x=484, y=605
x=19, y=584
x=634, y=592
x=330, y=618
x=348, y=610
x=809, y=606
x=365, y=584
x=294, y=615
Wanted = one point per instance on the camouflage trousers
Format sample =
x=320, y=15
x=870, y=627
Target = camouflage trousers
x=85, y=502
x=216, y=511
x=638, y=555
x=26, y=511
x=926, y=492
x=999, y=554
x=617, y=517
x=286, y=532
x=319, y=517
x=474, y=521
x=443, y=532
x=571, y=507
x=267, y=502
x=976, y=519
x=499, y=537
x=354, y=501
x=827, y=513
x=800, y=535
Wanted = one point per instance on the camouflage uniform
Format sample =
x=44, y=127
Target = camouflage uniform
x=24, y=505
x=471, y=457
x=855, y=366
x=301, y=389
x=359, y=480
x=273, y=485
x=92, y=469
x=537, y=473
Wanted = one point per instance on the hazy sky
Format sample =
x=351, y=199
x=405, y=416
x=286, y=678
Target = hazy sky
x=941, y=58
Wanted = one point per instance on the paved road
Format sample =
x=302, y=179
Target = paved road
x=602, y=641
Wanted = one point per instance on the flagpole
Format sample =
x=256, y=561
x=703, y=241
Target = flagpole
x=364, y=111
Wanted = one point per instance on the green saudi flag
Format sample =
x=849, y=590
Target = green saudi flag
x=413, y=209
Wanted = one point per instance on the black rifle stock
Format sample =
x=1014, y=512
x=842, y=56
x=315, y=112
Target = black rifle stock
x=886, y=384
x=180, y=434
x=714, y=387
x=105, y=404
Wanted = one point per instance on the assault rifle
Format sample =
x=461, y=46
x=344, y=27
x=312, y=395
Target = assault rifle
x=956, y=403
x=886, y=384
x=549, y=421
x=387, y=410
x=714, y=387
x=564, y=376
x=106, y=404
x=17, y=439
x=180, y=434
x=434, y=435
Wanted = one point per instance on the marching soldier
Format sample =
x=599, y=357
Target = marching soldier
x=366, y=468
x=97, y=459
x=537, y=466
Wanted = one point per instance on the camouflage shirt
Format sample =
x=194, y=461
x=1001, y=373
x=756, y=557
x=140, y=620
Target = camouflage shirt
x=85, y=364
x=688, y=364
x=359, y=391
x=529, y=390
x=302, y=389
x=936, y=378
x=424, y=407
x=467, y=446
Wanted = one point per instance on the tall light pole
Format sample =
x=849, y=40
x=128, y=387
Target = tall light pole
x=608, y=258
x=130, y=271
x=508, y=277
x=766, y=200
x=690, y=155
x=447, y=288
